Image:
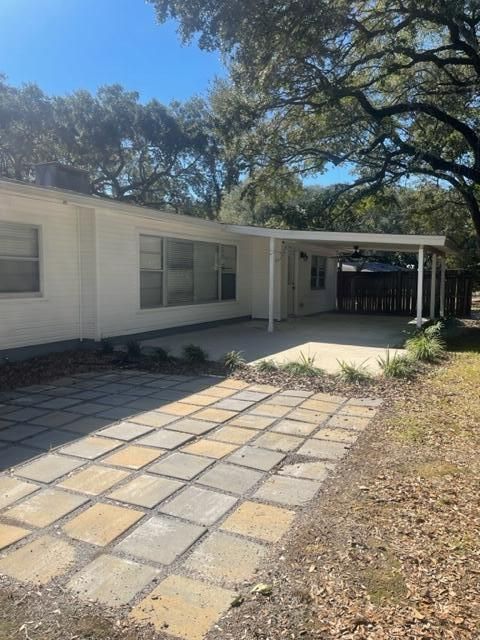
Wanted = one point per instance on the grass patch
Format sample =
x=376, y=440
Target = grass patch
x=385, y=585
x=437, y=469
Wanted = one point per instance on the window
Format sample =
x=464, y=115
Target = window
x=19, y=259
x=317, y=272
x=151, y=271
x=177, y=272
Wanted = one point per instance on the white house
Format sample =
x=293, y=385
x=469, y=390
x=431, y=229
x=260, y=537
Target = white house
x=77, y=268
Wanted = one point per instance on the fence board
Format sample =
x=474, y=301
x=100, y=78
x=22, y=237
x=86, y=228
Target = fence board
x=396, y=293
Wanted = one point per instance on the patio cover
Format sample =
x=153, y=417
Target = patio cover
x=333, y=243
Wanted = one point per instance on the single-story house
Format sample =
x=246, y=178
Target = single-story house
x=78, y=268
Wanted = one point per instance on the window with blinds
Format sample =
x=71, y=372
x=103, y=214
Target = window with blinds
x=19, y=259
x=176, y=272
x=318, y=272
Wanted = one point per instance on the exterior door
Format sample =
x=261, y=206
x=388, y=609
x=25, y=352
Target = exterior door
x=291, y=284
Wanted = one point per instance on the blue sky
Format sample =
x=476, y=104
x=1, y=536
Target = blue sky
x=64, y=45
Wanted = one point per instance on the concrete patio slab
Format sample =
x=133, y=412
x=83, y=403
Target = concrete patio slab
x=323, y=449
x=91, y=448
x=294, y=427
x=230, y=478
x=161, y=539
x=145, y=491
x=39, y=561
x=250, y=421
x=261, y=521
x=309, y=470
x=278, y=441
x=200, y=506
x=153, y=419
x=337, y=435
x=233, y=435
x=94, y=480
x=195, y=427
x=166, y=439
x=125, y=431
x=10, y=534
x=48, y=468
x=348, y=422
x=181, y=465
x=19, y=432
x=45, y=507
x=212, y=559
x=255, y=458
x=102, y=523
x=133, y=457
x=12, y=490
x=111, y=581
x=210, y=448
x=287, y=490
x=186, y=608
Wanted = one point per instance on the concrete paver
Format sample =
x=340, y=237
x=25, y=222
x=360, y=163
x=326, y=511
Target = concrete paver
x=270, y=410
x=338, y=435
x=263, y=459
x=111, y=581
x=261, y=521
x=348, y=422
x=165, y=439
x=102, y=523
x=230, y=478
x=39, y=561
x=226, y=558
x=12, y=490
x=252, y=421
x=48, y=468
x=125, y=431
x=294, y=427
x=287, y=490
x=234, y=435
x=181, y=465
x=94, y=480
x=195, y=427
x=232, y=404
x=184, y=607
x=160, y=539
x=210, y=448
x=307, y=415
x=91, y=447
x=10, y=534
x=20, y=431
x=154, y=419
x=324, y=449
x=201, y=506
x=146, y=491
x=45, y=507
x=310, y=470
x=278, y=441
x=215, y=415
x=133, y=457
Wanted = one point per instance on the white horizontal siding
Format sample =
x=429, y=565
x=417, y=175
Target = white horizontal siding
x=55, y=315
x=119, y=280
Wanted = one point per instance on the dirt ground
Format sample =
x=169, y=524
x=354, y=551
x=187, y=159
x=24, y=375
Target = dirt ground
x=390, y=549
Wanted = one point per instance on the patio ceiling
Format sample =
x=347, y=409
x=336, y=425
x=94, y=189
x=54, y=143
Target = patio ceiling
x=340, y=242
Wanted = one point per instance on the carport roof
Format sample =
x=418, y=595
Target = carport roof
x=345, y=241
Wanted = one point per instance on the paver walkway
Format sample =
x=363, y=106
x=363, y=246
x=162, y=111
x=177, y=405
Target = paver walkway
x=160, y=492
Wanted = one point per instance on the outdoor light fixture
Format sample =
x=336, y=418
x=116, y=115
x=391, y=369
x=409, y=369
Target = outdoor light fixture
x=303, y=256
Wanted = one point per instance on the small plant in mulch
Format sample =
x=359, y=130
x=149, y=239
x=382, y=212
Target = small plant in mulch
x=396, y=365
x=427, y=345
x=233, y=360
x=304, y=366
x=352, y=372
x=266, y=366
x=194, y=354
x=134, y=350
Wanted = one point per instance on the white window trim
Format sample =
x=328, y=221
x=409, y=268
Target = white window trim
x=27, y=295
x=186, y=238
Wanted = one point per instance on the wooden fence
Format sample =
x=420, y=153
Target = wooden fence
x=396, y=293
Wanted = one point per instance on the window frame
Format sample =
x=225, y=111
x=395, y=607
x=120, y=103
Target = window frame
x=25, y=295
x=180, y=238
x=323, y=286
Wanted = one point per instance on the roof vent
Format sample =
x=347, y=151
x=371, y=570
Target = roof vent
x=61, y=176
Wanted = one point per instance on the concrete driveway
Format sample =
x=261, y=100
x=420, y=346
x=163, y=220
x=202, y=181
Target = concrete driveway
x=327, y=337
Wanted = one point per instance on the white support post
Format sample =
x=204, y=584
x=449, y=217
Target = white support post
x=433, y=287
x=442, y=286
x=420, y=287
x=271, y=285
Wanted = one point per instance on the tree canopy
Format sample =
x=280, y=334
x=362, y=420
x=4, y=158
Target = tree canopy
x=389, y=86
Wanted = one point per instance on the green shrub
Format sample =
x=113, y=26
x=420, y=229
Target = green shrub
x=106, y=345
x=162, y=355
x=426, y=345
x=266, y=366
x=233, y=360
x=134, y=349
x=194, y=354
x=304, y=366
x=352, y=372
x=396, y=366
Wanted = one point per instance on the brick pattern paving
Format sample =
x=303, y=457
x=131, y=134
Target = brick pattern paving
x=160, y=492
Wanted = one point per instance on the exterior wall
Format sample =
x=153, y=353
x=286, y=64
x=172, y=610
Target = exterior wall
x=54, y=315
x=315, y=301
x=119, y=275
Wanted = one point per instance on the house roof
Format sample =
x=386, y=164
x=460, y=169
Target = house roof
x=332, y=242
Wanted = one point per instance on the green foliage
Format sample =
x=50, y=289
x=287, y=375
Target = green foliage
x=304, y=366
x=396, y=366
x=352, y=372
x=426, y=345
x=233, y=360
x=162, y=355
x=106, y=346
x=194, y=354
x=134, y=349
x=266, y=366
